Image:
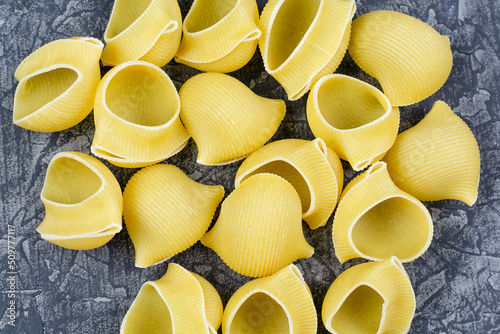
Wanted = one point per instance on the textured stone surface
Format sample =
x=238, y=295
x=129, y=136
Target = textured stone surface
x=457, y=282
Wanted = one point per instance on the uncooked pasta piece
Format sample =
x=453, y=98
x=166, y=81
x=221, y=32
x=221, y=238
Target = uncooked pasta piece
x=437, y=159
x=313, y=169
x=408, y=57
x=279, y=304
x=166, y=212
x=226, y=119
x=180, y=302
x=293, y=30
x=57, y=84
x=137, y=116
x=374, y=297
x=376, y=220
x=219, y=36
x=83, y=202
x=259, y=230
x=148, y=30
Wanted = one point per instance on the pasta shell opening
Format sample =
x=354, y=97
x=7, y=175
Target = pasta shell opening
x=125, y=13
x=206, y=13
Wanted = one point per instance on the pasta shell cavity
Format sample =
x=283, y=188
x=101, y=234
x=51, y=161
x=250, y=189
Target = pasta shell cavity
x=281, y=304
x=166, y=212
x=354, y=118
x=147, y=30
x=408, y=57
x=374, y=297
x=376, y=220
x=57, y=84
x=225, y=118
x=179, y=302
x=136, y=116
x=219, y=36
x=259, y=230
x=291, y=33
x=83, y=202
x=437, y=159
x=305, y=164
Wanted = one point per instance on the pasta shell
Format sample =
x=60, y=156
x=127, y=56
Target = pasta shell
x=376, y=220
x=281, y=304
x=408, y=57
x=57, y=84
x=354, y=118
x=259, y=230
x=313, y=169
x=83, y=202
x=226, y=119
x=166, y=212
x=180, y=302
x=219, y=36
x=437, y=159
x=291, y=33
x=147, y=30
x=136, y=116
x=374, y=297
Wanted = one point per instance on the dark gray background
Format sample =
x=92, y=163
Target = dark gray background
x=457, y=282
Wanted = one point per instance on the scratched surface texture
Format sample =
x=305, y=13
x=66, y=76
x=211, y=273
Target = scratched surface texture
x=457, y=282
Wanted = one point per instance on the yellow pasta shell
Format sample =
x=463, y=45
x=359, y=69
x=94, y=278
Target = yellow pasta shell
x=166, y=212
x=437, y=159
x=83, y=202
x=280, y=304
x=313, y=169
x=57, y=84
x=136, y=116
x=291, y=33
x=408, y=57
x=259, y=230
x=226, y=119
x=376, y=220
x=374, y=297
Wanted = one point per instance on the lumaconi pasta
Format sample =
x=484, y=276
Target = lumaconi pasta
x=225, y=118
x=147, y=30
x=180, y=302
x=57, y=84
x=279, y=304
x=408, y=57
x=437, y=159
x=354, y=118
x=83, y=202
x=166, y=212
x=374, y=297
x=136, y=116
x=219, y=36
x=313, y=169
x=259, y=230
x=291, y=33
x=376, y=220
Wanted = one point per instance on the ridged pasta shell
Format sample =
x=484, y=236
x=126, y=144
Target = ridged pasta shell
x=312, y=168
x=376, y=220
x=374, y=297
x=219, y=36
x=83, y=202
x=148, y=30
x=166, y=212
x=226, y=119
x=180, y=302
x=291, y=33
x=408, y=57
x=259, y=230
x=279, y=304
x=354, y=118
x=437, y=159
x=57, y=84
x=136, y=116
